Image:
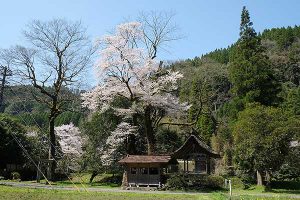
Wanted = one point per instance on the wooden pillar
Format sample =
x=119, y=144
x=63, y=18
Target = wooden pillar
x=38, y=174
x=49, y=172
x=187, y=165
x=208, y=167
x=184, y=169
x=148, y=174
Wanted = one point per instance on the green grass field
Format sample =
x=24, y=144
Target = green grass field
x=15, y=193
x=112, y=192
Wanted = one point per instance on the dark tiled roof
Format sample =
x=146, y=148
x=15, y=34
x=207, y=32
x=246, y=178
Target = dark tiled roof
x=145, y=159
x=193, y=143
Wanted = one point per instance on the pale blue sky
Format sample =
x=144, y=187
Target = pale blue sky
x=206, y=24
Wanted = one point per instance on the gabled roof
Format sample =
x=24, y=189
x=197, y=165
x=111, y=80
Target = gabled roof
x=194, y=145
x=145, y=159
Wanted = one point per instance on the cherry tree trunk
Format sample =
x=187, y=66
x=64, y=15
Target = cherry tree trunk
x=259, y=178
x=94, y=174
x=131, y=148
x=149, y=131
x=52, y=150
x=268, y=180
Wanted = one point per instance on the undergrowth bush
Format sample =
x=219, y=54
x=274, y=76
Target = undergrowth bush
x=194, y=182
x=15, y=175
x=289, y=185
x=237, y=182
x=111, y=180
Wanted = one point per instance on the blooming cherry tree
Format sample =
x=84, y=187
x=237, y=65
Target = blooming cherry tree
x=128, y=70
x=69, y=139
x=120, y=134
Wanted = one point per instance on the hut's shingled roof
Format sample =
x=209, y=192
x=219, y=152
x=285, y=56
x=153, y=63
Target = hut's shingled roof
x=145, y=159
x=193, y=143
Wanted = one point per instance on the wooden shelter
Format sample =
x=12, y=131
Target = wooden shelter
x=143, y=170
x=193, y=157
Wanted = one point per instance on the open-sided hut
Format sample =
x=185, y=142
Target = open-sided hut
x=193, y=157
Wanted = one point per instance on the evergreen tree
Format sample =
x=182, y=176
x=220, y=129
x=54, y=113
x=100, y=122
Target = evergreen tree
x=246, y=30
x=249, y=67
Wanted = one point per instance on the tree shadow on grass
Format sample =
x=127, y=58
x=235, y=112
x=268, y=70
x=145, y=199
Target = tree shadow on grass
x=285, y=191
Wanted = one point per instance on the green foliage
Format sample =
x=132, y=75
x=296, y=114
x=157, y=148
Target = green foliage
x=246, y=30
x=206, y=126
x=68, y=117
x=222, y=143
x=249, y=68
x=284, y=37
x=261, y=131
x=10, y=152
x=289, y=185
x=292, y=101
x=247, y=178
x=205, y=86
x=176, y=182
x=231, y=108
x=32, y=113
x=219, y=55
x=290, y=170
x=237, y=182
x=167, y=141
x=194, y=182
x=114, y=180
x=36, y=119
x=97, y=129
x=15, y=175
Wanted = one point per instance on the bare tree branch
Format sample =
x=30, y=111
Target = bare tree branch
x=59, y=54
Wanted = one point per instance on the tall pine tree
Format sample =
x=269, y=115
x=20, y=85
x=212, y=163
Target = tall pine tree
x=249, y=68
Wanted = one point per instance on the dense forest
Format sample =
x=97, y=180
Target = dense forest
x=244, y=103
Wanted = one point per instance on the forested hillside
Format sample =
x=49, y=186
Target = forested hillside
x=231, y=98
x=21, y=103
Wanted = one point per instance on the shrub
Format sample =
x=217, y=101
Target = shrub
x=195, y=182
x=111, y=180
x=27, y=174
x=248, y=178
x=177, y=182
x=237, y=182
x=289, y=185
x=15, y=175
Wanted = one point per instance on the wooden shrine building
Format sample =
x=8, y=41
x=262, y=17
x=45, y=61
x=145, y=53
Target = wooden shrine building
x=194, y=157
x=143, y=170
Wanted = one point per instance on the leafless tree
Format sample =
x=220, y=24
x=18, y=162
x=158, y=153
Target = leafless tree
x=5, y=72
x=159, y=30
x=59, y=53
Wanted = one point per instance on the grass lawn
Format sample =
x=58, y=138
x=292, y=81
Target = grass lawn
x=81, y=180
x=15, y=193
